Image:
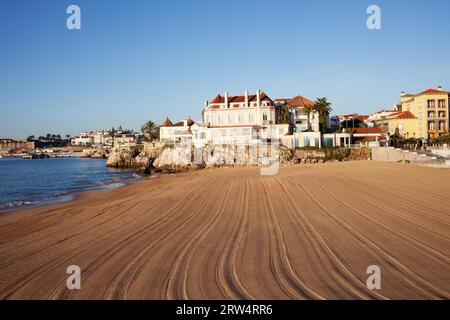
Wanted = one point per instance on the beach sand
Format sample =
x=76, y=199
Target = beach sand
x=310, y=232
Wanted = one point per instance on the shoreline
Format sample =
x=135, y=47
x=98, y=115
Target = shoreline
x=230, y=233
x=68, y=192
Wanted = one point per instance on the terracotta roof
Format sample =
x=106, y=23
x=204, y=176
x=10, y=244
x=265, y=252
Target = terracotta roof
x=368, y=131
x=241, y=99
x=299, y=102
x=405, y=115
x=167, y=123
x=190, y=122
x=431, y=91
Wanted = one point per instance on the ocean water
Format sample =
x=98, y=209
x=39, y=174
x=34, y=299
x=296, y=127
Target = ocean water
x=28, y=183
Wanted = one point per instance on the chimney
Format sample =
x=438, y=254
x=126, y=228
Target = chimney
x=206, y=104
x=440, y=88
x=185, y=123
x=258, y=97
x=246, y=98
x=226, y=99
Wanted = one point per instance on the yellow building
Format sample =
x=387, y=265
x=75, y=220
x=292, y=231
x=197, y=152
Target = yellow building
x=405, y=121
x=431, y=109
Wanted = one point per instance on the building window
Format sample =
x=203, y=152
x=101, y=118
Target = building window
x=430, y=126
x=441, y=125
x=431, y=104
x=441, y=103
x=264, y=117
x=431, y=115
x=441, y=114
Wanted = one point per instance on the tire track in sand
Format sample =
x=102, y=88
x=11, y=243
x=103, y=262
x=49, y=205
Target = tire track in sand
x=232, y=286
x=176, y=288
x=412, y=278
x=331, y=262
x=282, y=268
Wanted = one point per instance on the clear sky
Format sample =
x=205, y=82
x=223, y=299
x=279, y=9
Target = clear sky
x=139, y=59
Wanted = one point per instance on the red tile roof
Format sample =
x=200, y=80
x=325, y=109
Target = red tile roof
x=300, y=102
x=405, y=115
x=431, y=91
x=167, y=123
x=241, y=99
x=368, y=131
x=190, y=122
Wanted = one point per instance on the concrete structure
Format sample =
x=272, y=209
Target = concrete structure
x=11, y=145
x=398, y=155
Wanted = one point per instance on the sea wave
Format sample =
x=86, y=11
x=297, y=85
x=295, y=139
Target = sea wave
x=14, y=204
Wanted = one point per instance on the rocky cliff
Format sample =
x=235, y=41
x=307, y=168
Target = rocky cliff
x=160, y=157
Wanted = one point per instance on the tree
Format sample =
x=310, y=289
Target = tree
x=323, y=107
x=68, y=136
x=309, y=108
x=48, y=136
x=284, y=114
x=150, y=130
x=30, y=138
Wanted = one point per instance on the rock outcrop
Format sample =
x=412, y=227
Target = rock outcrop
x=160, y=157
x=95, y=153
x=139, y=157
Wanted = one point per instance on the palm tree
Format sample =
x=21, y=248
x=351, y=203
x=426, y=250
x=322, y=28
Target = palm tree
x=309, y=108
x=150, y=130
x=323, y=107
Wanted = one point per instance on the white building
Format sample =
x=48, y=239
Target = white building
x=125, y=139
x=102, y=138
x=178, y=132
x=99, y=138
x=83, y=139
x=239, y=118
x=244, y=119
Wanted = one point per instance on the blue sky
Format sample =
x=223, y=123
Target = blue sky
x=139, y=60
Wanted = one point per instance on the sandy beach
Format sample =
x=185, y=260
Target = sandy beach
x=309, y=232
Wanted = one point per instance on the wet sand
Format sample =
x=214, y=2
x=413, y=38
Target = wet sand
x=309, y=232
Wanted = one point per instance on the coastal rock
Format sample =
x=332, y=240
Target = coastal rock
x=173, y=160
x=95, y=153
